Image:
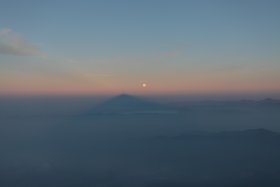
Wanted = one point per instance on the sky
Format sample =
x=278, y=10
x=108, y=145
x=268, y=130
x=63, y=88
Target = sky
x=117, y=46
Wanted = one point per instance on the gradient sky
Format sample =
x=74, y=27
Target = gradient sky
x=114, y=46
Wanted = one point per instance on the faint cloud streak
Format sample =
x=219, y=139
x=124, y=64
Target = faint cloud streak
x=13, y=43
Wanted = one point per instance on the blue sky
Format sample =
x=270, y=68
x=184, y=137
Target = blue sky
x=114, y=46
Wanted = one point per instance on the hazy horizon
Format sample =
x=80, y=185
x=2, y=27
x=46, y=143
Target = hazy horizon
x=156, y=96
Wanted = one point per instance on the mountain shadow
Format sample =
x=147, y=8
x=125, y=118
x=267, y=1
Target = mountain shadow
x=127, y=104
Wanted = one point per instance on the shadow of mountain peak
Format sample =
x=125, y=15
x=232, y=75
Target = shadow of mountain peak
x=128, y=104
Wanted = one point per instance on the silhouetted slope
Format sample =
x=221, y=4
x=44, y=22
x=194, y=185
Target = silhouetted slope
x=269, y=102
x=82, y=155
x=225, y=159
x=256, y=135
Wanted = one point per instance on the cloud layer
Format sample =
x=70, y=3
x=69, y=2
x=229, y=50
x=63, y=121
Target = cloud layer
x=13, y=43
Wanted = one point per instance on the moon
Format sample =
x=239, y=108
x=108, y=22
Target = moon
x=144, y=85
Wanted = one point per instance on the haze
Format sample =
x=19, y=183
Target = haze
x=139, y=93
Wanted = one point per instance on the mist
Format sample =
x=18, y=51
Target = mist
x=138, y=141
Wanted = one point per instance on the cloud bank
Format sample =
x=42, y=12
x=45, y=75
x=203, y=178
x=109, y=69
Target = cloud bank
x=13, y=43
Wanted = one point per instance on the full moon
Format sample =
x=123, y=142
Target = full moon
x=144, y=85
